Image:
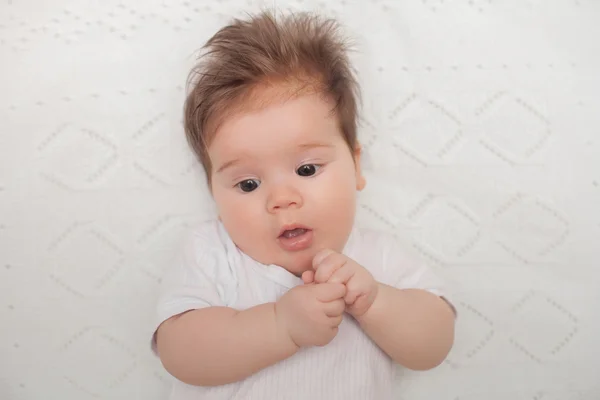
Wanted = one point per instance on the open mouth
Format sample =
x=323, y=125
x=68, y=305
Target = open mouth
x=292, y=233
x=295, y=238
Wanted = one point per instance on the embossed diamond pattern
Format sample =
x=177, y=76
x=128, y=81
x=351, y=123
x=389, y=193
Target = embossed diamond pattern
x=480, y=131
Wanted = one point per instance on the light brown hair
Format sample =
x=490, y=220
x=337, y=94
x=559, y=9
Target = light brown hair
x=301, y=52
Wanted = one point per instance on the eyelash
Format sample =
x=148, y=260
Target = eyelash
x=317, y=168
x=239, y=185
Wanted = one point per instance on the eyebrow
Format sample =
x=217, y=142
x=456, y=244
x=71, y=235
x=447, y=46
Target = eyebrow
x=314, y=145
x=303, y=146
x=228, y=164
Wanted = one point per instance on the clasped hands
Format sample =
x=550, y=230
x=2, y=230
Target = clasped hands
x=311, y=313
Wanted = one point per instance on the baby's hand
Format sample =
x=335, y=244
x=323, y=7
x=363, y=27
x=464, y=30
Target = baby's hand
x=332, y=267
x=311, y=314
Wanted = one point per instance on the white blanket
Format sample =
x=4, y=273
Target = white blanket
x=481, y=126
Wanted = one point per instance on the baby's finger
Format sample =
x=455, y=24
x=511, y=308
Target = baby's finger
x=342, y=274
x=336, y=321
x=326, y=292
x=308, y=277
x=334, y=308
x=328, y=266
x=320, y=256
x=352, y=296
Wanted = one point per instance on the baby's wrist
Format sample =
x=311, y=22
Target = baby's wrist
x=364, y=314
x=283, y=334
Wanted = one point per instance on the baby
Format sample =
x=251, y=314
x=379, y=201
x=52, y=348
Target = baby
x=282, y=297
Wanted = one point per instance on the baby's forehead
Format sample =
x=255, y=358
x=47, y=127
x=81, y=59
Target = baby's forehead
x=260, y=96
x=298, y=118
x=280, y=133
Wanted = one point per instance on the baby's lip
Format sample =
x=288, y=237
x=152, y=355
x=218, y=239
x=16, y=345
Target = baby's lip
x=291, y=227
x=298, y=240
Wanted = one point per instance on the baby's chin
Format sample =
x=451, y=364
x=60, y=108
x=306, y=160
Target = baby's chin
x=296, y=264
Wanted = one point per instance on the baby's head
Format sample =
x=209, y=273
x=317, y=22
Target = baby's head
x=272, y=116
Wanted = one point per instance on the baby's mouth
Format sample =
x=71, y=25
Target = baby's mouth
x=295, y=238
x=292, y=233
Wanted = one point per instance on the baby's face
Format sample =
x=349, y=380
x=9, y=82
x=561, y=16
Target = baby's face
x=285, y=182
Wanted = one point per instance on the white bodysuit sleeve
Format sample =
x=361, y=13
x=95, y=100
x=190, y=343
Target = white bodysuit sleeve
x=200, y=277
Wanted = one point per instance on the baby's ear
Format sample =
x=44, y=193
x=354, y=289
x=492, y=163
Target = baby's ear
x=361, y=182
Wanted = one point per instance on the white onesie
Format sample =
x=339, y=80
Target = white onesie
x=214, y=272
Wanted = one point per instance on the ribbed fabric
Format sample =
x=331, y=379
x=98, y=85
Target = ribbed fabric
x=213, y=272
x=350, y=367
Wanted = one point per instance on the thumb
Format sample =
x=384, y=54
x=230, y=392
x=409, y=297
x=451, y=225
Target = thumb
x=320, y=256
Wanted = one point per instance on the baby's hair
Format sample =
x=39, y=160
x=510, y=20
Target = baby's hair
x=294, y=54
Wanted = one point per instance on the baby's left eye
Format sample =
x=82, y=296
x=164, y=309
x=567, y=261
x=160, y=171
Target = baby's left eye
x=307, y=169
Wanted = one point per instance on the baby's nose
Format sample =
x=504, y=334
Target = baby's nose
x=284, y=197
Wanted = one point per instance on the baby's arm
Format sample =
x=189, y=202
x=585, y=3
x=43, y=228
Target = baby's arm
x=218, y=345
x=414, y=327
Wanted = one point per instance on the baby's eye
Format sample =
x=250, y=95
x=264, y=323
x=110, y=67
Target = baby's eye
x=248, y=185
x=308, y=169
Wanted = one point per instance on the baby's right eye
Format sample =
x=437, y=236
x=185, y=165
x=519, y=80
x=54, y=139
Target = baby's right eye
x=248, y=185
